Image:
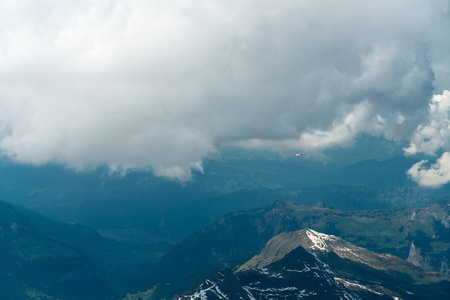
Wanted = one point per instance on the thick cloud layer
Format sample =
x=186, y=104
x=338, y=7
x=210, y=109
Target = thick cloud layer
x=163, y=84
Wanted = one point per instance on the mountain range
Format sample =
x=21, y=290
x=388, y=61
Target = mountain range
x=313, y=265
x=235, y=238
x=45, y=259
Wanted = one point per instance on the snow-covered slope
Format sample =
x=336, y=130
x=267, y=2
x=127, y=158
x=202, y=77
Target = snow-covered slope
x=297, y=275
x=320, y=244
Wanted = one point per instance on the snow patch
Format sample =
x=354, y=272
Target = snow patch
x=284, y=289
x=348, y=284
x=212, y=287
x=249, y=293
x=319, y=239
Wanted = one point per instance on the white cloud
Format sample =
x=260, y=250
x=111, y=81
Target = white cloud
x=161, y=85
x=430, y=137
x=433, y=176
x=434, y=134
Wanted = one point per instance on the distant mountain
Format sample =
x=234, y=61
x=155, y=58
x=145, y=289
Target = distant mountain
x=33, y=266
x=308, y=264
x=167, y=211
x=183, y=220
x=235, y=238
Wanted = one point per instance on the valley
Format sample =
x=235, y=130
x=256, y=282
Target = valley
x=161, y=240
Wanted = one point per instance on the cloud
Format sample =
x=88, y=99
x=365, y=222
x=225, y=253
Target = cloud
x=433, y=176
x=341, y=134
x=159, y=85
x=431, y=136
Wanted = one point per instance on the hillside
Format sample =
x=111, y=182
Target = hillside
x=36, y=267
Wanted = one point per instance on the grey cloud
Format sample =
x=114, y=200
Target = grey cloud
x=160, y=85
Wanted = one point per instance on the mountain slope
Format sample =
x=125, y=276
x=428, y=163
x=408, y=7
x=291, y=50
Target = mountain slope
x=308, y=264
x=34, y=266
x=297, y=275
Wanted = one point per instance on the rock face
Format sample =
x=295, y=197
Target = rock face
x=414, y=256
x=309, y=264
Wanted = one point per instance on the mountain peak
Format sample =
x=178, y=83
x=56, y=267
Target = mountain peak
x=280, y=245
x=320, y=204
x=280, y=203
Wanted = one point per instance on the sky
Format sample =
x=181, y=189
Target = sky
x=162, y=85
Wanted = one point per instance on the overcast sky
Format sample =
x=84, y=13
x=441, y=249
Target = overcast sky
x=164, y=84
